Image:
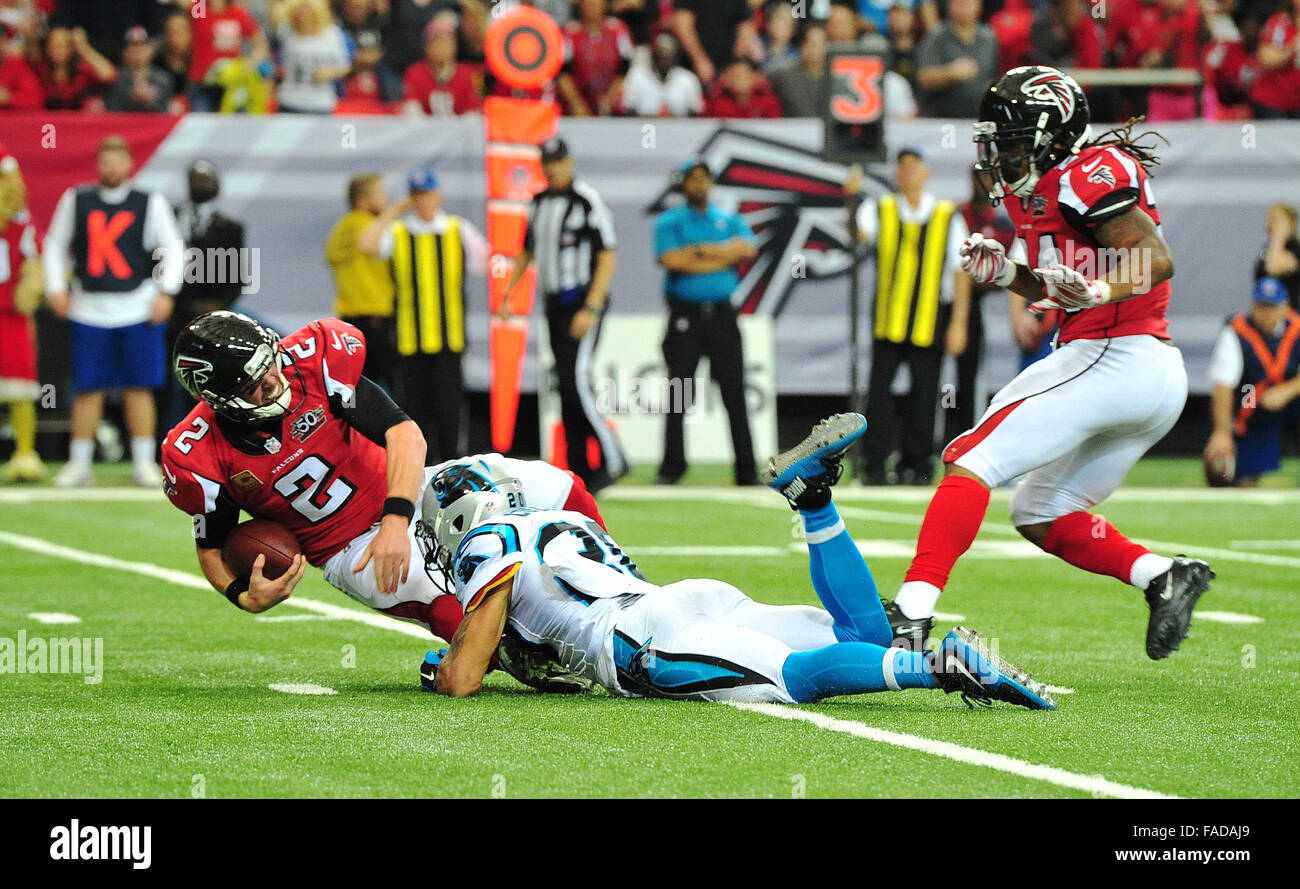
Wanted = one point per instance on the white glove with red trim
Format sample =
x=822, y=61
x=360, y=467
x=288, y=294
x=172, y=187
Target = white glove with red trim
x=1067, y=289
x=985, y=260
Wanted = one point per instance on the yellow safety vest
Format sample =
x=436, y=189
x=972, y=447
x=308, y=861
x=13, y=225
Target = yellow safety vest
x=429, y=284
x=910, y=260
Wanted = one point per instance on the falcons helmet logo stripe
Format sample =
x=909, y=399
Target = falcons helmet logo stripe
x=1052, y=87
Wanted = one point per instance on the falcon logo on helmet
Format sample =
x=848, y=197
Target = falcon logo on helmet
x=1052, y=86
x=194, y=372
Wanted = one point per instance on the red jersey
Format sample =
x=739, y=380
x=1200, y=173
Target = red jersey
x=309, y=470
x=1279, y=89
x=459, y=94
x=1055, y=228
x=17, y=244
x=595, y=60
x=219, y=35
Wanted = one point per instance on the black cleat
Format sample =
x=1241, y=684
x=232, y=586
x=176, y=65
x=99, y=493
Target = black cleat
x=536, y=666
x=909, y=634
x=1172, y=596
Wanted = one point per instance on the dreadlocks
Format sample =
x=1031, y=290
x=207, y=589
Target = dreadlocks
x=1122, y=137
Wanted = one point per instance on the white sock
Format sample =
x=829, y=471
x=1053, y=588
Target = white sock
x=81, y=451
x=1148, y=567
x=142, y=448
x=916, y=599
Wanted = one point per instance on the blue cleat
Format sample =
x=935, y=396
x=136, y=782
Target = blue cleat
x=429, y=669
x=965, y=665
x=804, y=474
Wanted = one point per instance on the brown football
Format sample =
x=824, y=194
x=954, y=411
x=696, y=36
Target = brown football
x=1220, y=473
x=260, y=537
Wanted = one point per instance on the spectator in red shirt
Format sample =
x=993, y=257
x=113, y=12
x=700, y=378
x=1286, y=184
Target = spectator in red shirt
x=1064, y=35
x=440, y=85
x=597, y=52
x=1276, y=92
x=222, y=34
x=72, y=71
x=1159, y=34
x=19, y=88
x=1011, y=25
x=742, y=92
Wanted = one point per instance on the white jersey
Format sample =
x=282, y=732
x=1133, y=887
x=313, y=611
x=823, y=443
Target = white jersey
x=571, y=583
x=545, y=486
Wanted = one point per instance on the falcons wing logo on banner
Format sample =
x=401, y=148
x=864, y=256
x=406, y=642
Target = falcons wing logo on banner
x=794, y=202
x=1052, y=88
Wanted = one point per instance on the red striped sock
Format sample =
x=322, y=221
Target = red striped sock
x=1090, y=542
x=951, y=523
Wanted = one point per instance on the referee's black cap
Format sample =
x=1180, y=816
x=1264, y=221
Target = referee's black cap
x=554, y=149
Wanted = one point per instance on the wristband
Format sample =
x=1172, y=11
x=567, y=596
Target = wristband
x=237, y=586
x=399, y=506
x=595, y=310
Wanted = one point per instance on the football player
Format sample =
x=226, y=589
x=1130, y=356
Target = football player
x=557, y=578
x=290, y=430
x=1091, y=250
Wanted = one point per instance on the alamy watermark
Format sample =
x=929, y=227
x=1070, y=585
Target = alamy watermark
x=74, y=655
x=214, y=265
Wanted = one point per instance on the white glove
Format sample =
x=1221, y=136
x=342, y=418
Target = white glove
x=985, y=260
x=1067, y=289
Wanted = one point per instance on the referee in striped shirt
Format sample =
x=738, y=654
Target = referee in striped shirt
x=571, y=237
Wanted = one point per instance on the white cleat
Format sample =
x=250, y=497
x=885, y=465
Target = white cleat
x=74, y=476
x=147, y=476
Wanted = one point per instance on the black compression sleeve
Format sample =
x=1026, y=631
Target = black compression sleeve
x=372, y=412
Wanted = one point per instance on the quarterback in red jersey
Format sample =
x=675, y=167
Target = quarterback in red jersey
x=290, y=430
x=1073, y=424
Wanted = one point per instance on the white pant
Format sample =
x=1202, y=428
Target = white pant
x=364, y=587
x=705, y=640
x=1076, y=421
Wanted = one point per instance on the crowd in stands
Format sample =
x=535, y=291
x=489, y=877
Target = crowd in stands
x=717, y=58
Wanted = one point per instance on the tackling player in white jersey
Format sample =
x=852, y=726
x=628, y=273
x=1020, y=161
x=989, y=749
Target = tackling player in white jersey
x=556, y=578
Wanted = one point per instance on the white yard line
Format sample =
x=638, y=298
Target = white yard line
x=301, y=688
x=1227, y=617
x=1264, y=544
x=53, y=617
x=846, y=492
x=1094, y=784
x=193, y=581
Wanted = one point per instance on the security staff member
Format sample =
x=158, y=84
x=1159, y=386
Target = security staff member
x=922, y=305
x=363, y=285
x=430, y=252
x=700, y=245
x=570, y=235
x=219, y=241
x=1255, y=371
x=117, y=311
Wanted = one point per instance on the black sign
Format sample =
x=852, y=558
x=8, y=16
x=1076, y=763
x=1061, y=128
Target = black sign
x=855, y=114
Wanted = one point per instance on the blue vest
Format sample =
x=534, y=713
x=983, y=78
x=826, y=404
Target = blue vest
x=108, y=241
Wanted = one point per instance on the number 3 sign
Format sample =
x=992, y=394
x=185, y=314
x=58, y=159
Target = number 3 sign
x=855, y=114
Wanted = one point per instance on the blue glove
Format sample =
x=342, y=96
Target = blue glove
x=429, y=669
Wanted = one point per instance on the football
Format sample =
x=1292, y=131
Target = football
x=1220, y=473
x=260, y=536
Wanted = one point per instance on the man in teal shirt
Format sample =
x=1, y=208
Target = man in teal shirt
x=699, y=247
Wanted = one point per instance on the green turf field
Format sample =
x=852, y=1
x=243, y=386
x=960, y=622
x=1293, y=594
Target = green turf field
x=184, y=705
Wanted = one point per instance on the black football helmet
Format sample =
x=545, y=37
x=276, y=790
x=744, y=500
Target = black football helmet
x=1035, y=114
x=221, y=356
